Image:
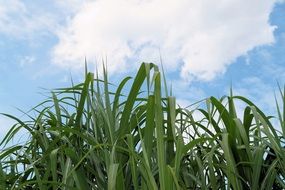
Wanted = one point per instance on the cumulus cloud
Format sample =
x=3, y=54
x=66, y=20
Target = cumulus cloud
x=198, y=38
x=22, y=20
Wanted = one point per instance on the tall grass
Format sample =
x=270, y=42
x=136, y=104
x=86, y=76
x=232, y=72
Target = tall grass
x=95, y=136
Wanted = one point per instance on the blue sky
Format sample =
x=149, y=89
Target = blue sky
x=205, y=45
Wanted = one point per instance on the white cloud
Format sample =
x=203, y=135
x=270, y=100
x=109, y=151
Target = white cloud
x=27, y=61
x=199, y=38
x=23, y=20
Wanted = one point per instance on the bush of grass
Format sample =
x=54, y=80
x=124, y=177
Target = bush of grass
x=96, y=136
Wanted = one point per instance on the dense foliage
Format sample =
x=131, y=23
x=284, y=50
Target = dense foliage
x=97, y=136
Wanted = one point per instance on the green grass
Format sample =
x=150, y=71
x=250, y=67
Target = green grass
x=90, y=137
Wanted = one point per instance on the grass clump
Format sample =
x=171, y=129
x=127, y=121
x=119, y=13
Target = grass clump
x=90, y=137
